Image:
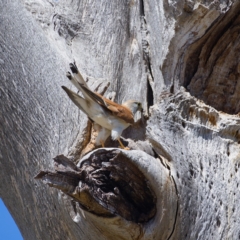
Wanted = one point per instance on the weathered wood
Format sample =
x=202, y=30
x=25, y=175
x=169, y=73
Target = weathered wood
x=203, y=150
x=179, y=58
x=130, y=186
x=110, y=179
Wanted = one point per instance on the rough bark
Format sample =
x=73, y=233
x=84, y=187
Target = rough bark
x=180, y=178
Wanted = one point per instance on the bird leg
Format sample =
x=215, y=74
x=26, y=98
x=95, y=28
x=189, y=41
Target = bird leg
x=122, y=146
x=102, y=143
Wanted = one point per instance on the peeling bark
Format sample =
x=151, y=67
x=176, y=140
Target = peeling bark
x=107, y=179
x=112, y=183
x=180, y=178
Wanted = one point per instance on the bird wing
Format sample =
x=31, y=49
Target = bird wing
x=78, y=100
x=77, y=76
x=116, y=109
x=78, y=81
x=94, y=96
x=73, y=81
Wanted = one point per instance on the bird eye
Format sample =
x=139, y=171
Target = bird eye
x=139, y=105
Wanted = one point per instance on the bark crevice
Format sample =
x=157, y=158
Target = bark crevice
x=146, y=56
x=211, y=61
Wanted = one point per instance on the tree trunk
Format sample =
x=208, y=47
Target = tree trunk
x=180, y=178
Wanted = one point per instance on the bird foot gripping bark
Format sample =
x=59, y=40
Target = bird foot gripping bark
x=122, y=146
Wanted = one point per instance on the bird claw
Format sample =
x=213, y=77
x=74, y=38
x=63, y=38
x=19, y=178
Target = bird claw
x=124, y=148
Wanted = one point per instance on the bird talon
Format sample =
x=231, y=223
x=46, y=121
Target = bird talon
x=124, y=148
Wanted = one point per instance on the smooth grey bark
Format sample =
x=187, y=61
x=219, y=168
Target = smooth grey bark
x=178, y=57
x=31, y=127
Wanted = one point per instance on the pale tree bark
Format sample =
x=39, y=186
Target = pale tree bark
x=181, y=60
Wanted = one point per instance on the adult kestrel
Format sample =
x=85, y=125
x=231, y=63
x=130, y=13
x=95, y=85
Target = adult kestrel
x=112, y=117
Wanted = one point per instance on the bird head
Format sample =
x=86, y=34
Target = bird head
x=133, y=105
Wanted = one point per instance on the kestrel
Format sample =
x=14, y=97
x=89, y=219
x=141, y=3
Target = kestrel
x=112, y=117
